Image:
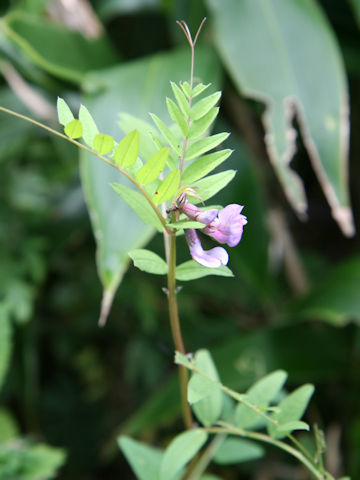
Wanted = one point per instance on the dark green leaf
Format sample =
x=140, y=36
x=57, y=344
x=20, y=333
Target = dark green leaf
x=5, y=342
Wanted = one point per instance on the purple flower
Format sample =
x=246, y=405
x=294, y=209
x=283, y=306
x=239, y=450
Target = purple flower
x=213, y=258
x=193, y=212
x=228, y=226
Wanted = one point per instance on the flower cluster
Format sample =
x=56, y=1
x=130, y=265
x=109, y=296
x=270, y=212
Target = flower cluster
x=225, y=226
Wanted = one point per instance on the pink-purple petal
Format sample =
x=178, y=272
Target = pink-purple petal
x=213, y=258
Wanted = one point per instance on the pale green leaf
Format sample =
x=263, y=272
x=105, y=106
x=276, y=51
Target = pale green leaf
x=74, y=129
x=144, y=460
x=177, y=116
x=181, y=100
x=185, y=86
x=207, y=187
x=139, y=205
x=203, y=106
x=181, y=359
x=205, y=391
x=103, y=144
x=291, y=409
x=167, y=188
x=167, y=134
x=153, y=167
x=204, y=145
x=237, y=450
x=294, y=425
x=148, y=261
x=204, y=165
x=199, y=88
x=283, y=67
x=192, y=270
x=199, y=127
x=128, y=149
x=90, y=129
x=65, y=115
x=260, y=394
x=180, y=451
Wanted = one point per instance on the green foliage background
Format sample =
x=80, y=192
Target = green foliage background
x=75, y=386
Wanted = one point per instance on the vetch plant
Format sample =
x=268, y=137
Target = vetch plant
x=170, y=191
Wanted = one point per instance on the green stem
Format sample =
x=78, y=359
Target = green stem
x=176, y=330
x=230, y=429
x=93, y=152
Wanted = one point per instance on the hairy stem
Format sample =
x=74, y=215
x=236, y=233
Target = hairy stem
x=93, y=152
x=176, y=330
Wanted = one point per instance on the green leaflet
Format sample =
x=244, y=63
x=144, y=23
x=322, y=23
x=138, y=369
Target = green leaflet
x=204, y=145
x=198, y=89
x=180, y=451
x=168, y=135
x=148, y=261
x=203, y=106
x=74, y=129
x=237, y=450
x=90, y=129
x=291, y=409
x=128, y=149
x=139, y=204
x=204, y=165
x=153, y=167
x=192, y=270
x=207, y=187
x=199, y=127
x=103, y=144
x=177, y=116
x=65, y=115
x=181, y=100
x=144, y=460
x=260, y=394
x=207, y=409
x=167, y=188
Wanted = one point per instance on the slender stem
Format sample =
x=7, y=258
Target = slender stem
x=176, y=330
x=230, y=429
x=93, y=152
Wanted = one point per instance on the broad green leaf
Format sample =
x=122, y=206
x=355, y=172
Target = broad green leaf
x=153, y=167
x=73, y=129
x=181, y=100
x=203, y=106
x=294, y=425
x=139, y=205
x=146, y=83
x=336, y=299
x=148, y=261
x=177, y=116
x=144, y=460
x=237, y=450
x=90, y=129
x=65, y=115
x=128, y=149
x=5, y=342
x=208, y=406
x=291, y=409
x=204, y=165
x=204, y=145
x=167, y=134
x=192, y=270
x=103, y=144
x=260, y=394
x=209, y=186
x=199, y=127
x=167, y=188
x=283, y=67
x=199, y=388
x=198, y=89
x=180, y=451
x=58, y=50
